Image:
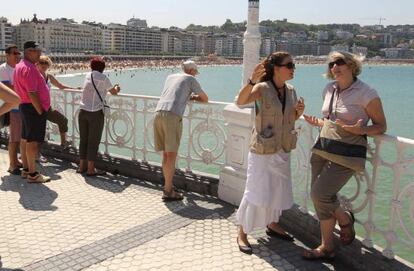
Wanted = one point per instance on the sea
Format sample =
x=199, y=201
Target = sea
x=394, y=83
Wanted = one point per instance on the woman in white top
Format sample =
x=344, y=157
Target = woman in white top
x=350, y=104
x=91, y=115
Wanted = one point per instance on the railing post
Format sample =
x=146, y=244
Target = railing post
x=371, y=194
x=239, y=124
x=390, y=235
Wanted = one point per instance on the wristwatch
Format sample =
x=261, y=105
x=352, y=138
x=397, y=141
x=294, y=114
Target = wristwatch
x=251, y=82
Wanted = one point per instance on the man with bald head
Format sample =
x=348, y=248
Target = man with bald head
x=178, y=90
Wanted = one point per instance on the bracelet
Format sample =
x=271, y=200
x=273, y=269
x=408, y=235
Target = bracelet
x=251, y=82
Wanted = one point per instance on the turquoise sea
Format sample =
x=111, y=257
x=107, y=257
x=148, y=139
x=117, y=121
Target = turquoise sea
x=394, y=83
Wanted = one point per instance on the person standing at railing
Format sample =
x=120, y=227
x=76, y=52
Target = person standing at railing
x=35, y=102
x=91, y=115
x=340, y=151
x=54, y=115
x=168, y=126
x=268, y=186
x=15, y=127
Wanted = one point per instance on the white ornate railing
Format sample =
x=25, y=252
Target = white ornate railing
x=382, y=198
x=128, y=130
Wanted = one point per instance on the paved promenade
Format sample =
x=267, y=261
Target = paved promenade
x=118, y=223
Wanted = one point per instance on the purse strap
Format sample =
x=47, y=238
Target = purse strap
x=96, y=89
x=331, y=103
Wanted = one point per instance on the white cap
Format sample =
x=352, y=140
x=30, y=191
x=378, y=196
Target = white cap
x=189, y=65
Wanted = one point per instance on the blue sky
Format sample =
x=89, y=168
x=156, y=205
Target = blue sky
x=180, y=13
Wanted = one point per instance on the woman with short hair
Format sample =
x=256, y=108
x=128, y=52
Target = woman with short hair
x=54, y=115
x=91, y=115
x=348, y=106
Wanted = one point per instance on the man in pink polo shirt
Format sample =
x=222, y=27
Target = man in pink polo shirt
x=30, y=85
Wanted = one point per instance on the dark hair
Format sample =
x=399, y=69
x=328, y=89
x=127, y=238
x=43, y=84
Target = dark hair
x=9, y=48
x=97, y=64
x=269, y=63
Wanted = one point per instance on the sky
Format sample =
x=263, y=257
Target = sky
x=181, y=13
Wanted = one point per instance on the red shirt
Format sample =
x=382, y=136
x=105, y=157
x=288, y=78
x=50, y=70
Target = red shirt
x=27, y=79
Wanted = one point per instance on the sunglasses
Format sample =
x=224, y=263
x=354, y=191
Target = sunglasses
x=338, y=62
x=43, y=63
x=289, y=65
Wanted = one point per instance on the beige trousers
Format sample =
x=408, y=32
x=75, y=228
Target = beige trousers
x=327, y=179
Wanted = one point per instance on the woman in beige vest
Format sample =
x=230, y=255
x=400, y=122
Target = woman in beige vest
x=268, y=186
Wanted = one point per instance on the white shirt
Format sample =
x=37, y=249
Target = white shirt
x=6, y=76
x=6, y=73
x=90, y=100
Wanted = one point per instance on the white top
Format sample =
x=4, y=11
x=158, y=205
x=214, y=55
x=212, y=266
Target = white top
x=350, y=104
x=90, y=100
x=6, y=73
x=6, y=76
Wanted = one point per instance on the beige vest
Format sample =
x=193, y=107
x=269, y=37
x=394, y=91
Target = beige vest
x=274, y=130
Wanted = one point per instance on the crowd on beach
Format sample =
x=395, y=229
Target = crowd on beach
x=120, y=65
x=351, y=111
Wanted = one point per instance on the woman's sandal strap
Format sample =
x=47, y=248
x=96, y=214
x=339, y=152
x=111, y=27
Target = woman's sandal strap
x=348, y=236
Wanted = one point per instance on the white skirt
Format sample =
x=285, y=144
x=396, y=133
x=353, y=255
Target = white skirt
x=268, y=190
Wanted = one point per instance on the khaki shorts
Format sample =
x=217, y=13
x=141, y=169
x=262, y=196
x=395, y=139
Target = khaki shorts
x=168, y=128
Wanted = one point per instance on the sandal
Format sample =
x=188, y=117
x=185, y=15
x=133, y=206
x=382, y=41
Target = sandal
x=347, y=233
x=15, y=171
x=173, y=196
x=318, y=254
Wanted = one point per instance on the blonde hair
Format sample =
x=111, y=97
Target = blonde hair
x=353, y=61
x=46, y=59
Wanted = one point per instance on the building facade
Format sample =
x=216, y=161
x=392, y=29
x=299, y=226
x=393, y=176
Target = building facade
x=6, y=33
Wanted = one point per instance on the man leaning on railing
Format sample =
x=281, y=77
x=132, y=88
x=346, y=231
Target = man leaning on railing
x=168, y=126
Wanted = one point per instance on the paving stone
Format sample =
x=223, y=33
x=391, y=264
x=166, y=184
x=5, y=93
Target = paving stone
x=115, y=223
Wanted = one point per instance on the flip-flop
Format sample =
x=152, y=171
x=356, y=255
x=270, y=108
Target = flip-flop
x=96, y=173
x=175, y=196
x=79, y=171
x=318, y=254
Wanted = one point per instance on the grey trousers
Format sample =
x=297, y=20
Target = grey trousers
x=90, y=132
x=327, y=179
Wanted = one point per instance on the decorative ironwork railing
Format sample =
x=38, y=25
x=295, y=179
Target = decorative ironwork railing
x=128, y=130
x=382, y=197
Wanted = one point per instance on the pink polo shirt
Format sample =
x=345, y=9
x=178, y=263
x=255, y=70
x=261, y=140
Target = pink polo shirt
x=27, y=79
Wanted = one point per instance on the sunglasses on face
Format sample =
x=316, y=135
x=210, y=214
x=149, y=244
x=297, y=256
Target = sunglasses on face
x=43, y=63
x=338, y=62
x=16, y=53
x=289, y=65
